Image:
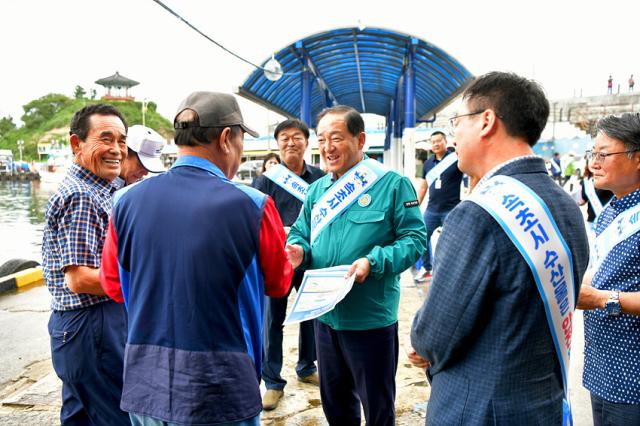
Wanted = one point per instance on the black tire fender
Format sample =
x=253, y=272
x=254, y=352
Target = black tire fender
x=16, y=265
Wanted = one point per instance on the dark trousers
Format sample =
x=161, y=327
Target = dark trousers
x=607, y=413
x=140, y=420
x=275, y=311
x=87, y=351
x=357, y=366
x=432, y=221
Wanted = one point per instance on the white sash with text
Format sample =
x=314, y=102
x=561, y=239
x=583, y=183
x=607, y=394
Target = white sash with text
x=356, y=182
x=288, y=180
x=623, y=226
x=590, y=190
x=526, y=219
x=443, y=165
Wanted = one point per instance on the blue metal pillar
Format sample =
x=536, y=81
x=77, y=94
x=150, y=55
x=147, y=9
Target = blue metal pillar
x=397, y=125
x=407, y=145
x=410, y=88
x=306, y=86
x=305, y=101
x=388, y=132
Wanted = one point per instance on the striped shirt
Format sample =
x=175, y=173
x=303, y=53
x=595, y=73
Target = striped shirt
x=75, y=228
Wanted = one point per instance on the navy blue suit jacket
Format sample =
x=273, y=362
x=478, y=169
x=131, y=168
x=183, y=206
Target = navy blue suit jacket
x=483, y=325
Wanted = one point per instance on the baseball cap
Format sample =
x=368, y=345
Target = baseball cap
x=148, y=144
x=214, y=110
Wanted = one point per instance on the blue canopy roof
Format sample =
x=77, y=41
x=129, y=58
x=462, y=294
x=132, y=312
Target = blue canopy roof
x=365, y=69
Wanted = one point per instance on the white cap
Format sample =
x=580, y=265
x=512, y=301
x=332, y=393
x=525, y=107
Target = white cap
x=148, y=144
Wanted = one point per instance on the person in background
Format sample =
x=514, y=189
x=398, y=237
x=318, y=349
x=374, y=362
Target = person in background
x=441, y=179
x=192, y=254
x=595, y=198
x=293, y=140
x=270, y=160
x=87, y=329
x=610, y=294
x=556, y=168
x=569, y=169
x=144, y=146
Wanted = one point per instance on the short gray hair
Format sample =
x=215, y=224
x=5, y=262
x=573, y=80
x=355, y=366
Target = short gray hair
x=625, y=128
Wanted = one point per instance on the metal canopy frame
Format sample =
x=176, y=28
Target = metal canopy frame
x=374, y=70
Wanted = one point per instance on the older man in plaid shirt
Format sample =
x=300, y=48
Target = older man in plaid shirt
x=87, y=329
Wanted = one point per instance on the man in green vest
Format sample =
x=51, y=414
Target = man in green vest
x=377, y=229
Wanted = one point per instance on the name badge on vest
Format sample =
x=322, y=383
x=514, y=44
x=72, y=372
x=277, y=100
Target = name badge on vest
x=434, y=174
x=526, y=220
x=287, y=180
x=347, y=190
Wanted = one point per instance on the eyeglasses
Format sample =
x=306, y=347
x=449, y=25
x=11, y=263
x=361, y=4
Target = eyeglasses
x=286, y=139
x=452, y=120
x=601, y=156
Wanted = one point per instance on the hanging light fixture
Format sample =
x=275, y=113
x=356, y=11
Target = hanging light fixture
x=273, y=69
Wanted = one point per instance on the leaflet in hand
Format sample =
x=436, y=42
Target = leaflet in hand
x=321, y=290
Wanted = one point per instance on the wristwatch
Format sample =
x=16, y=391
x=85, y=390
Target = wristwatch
x=613, y=304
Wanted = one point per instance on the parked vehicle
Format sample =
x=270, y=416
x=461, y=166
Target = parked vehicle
x=248, y=170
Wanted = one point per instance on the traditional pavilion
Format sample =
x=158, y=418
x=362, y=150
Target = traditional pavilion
x=117, y=82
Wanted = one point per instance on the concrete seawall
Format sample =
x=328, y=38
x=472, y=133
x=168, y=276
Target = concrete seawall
x=31, y=276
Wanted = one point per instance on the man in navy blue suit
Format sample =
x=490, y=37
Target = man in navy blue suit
x=482, y=333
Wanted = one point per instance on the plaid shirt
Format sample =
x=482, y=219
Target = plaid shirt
x=75, y=228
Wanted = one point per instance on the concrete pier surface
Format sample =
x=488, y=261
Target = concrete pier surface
x=30, y=390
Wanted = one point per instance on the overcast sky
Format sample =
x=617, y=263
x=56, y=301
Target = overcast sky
x=51, y=46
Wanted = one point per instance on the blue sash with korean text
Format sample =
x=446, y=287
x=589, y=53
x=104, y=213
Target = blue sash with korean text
x=356, y=182
x=287, y=180
x=443, y=165
x=622, y=227
x=590, y=190
x=526, y=219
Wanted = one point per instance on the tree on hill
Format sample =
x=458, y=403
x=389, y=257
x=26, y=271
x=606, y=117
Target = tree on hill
x=46, y=117
x=79, y=92
x=40, y=110
x=6, y=125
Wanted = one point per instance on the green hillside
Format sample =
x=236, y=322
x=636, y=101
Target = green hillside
x=47, y=118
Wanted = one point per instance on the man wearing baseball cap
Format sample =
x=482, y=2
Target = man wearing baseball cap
x=144, y=147
x=192, y=254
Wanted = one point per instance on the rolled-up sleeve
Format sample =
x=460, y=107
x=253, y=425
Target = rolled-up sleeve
x=80, y=235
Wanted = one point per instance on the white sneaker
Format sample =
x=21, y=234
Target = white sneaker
x=422, y=275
